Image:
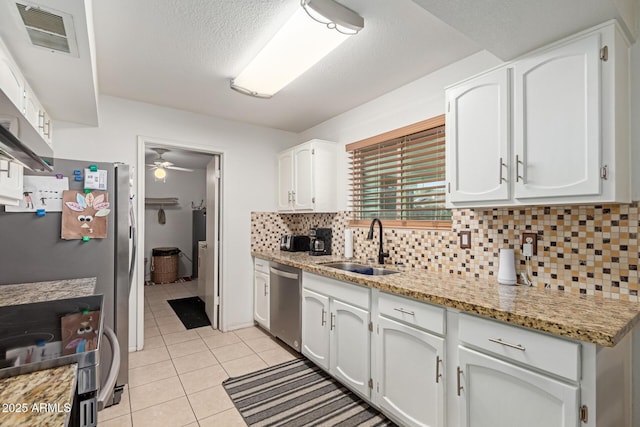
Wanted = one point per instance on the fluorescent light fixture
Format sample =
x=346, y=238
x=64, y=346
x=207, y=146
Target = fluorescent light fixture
x=297, y=46
x=160, y=174
x=334, y=15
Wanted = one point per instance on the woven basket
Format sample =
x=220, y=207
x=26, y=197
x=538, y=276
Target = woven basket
x=164, y=265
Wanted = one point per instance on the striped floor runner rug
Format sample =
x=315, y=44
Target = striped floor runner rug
x=298, y=393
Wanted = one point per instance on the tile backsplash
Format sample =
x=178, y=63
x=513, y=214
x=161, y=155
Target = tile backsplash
x=589, y=250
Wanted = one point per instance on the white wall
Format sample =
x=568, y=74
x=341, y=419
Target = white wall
x=249, y=167
x=416, y=101
x=177, y=231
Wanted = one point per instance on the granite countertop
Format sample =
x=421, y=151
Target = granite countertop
x=54, y=386
x=591, y=319
x=24, y=293
x=41, y=398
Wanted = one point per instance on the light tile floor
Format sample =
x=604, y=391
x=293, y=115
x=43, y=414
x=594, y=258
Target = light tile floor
x=176, y=380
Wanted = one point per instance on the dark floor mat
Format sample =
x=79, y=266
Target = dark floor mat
x=190, y=311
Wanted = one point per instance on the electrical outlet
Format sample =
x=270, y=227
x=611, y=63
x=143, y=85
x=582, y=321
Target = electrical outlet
x=465, y=239
x=532, y=239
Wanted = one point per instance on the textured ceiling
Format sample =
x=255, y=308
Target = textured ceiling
x=183, y=53
x=509, y=28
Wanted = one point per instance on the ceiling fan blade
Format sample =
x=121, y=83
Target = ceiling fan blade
x=152, y=166
x=176, y=168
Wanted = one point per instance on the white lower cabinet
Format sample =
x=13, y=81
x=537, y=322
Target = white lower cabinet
x=335, y=330
x=315, y=334
x=425, y=365
x=496, y=393
x=409, y=374
x=261, y=292
x=350, y=346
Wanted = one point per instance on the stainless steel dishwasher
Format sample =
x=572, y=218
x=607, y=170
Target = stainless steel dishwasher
x=284, y=304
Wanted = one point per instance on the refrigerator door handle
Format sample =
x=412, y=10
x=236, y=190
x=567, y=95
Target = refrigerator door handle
x=134, y=246
x=105, y=393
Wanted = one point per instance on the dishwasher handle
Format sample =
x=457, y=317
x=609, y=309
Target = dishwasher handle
x=283, y=273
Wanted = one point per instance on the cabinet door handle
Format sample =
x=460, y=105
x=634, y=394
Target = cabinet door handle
x=438, y=374
x=459, y=384
x=324, y=318
x=501, y=166
x=402, y=310
x=265, y=289
x=293, y=196
x=41, y=120
x=8, y=169
x=289, y=196
x=499, y=341
x=332, y=325
x=518, y=176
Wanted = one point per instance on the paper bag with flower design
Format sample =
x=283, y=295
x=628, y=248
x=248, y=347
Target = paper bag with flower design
x=84, y=214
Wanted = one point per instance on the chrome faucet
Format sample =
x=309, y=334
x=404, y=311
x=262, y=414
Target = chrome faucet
x=381, y=254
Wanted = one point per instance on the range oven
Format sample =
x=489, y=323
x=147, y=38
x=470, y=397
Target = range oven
x=49, y=334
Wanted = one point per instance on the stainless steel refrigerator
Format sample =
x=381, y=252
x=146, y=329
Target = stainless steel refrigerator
x=31, y=250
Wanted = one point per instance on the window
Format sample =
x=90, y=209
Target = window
x=399, y=177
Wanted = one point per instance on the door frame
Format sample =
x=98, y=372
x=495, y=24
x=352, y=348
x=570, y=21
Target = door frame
x=136, y=301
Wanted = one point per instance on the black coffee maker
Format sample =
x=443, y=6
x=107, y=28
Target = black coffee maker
x=320, y=243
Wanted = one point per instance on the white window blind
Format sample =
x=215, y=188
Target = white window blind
x=402, y=178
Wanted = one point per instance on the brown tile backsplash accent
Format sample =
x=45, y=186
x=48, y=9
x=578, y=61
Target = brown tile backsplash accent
x=590, y=250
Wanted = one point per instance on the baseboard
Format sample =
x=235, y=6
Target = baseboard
x=237, y=326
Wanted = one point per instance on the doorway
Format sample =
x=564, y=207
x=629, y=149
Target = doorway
x=178, y=186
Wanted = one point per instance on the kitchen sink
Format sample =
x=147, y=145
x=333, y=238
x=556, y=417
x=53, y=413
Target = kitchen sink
x=354, y=267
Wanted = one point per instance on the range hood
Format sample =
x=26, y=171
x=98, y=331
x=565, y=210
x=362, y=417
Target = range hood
x=20, y=141
x=14, y=149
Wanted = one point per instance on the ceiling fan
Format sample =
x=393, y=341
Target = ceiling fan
x=160, y=164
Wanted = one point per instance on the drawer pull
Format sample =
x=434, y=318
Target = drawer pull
x=324, y=318
x=459, y=385
x=332, y=325
x=402, y=310
x=516, y=346
x=438, y=374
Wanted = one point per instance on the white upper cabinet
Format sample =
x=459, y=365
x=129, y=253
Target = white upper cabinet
x=19, y=101
x=11, y=83
x=11, y=179
x=307, y=178
x=549, y=128
x=478, y=138
x=36, y=115
x=303, y=174
x=285, y=180
x=557, y=121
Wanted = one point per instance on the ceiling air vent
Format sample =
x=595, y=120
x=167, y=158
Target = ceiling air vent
x=48, y=29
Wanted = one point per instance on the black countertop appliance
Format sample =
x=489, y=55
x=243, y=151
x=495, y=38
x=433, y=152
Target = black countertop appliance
x=293, y=243
x=320, y=241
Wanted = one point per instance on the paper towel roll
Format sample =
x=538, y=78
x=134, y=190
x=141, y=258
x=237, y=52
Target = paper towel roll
x=348, y=243
x=507, y=268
